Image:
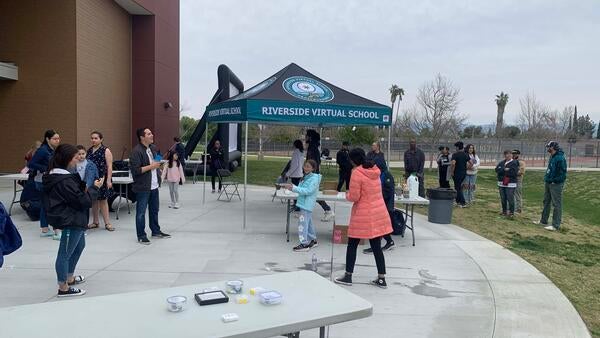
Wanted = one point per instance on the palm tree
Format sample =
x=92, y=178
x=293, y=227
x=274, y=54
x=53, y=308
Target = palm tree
x=501, y=101
x=396, y=93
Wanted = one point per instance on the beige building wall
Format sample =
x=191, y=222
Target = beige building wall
x=104, y=73
x=40, y=37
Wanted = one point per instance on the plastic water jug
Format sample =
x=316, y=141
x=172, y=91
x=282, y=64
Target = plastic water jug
x=413, y=186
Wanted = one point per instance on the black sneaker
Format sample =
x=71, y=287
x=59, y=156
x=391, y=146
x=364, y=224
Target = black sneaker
x=72, y=292
x=161, y=235
x=144, y=241
x=302, y=247
x=313, y=244
x=368, y=251
x=345, y=280
x=380, y=282
x=388, y=246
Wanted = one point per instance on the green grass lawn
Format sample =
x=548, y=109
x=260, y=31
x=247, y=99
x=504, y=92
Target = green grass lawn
x=570, y=258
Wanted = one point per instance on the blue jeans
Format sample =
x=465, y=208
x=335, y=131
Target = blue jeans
x=71, y=246
x=146, y=200
x=469, y=188
x=306, y=229
x=43, y=222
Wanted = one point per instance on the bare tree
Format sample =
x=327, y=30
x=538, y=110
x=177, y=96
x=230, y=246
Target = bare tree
x=435, y=115
x=533, y=117
x=557, y=123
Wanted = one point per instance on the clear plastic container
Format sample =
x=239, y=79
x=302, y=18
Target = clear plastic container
x=270, y=297
x=234, y=286
x=176, y=303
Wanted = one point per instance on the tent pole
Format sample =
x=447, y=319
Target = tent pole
x=245, y=170
x=389, y=159
x=205, y=160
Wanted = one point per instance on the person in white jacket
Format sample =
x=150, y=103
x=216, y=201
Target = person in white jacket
x=471, y=178
x=295, y=173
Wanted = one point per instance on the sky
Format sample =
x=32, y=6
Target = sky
x=550, y=48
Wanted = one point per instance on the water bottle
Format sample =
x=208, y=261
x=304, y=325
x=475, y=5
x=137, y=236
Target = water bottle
x=413, y=186
x=314, y=262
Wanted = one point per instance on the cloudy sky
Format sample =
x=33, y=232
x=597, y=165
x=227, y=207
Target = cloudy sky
x=551, y=48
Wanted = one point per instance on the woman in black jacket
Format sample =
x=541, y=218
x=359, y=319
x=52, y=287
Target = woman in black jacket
x=506, y=171
x=67, y=203
x=217, y=159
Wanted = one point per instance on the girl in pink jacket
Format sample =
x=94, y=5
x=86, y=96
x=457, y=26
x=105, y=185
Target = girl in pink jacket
x=369, y=218
x=174, y=175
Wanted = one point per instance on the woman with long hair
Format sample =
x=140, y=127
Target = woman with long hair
x=102, y=157
x=471, y=178
x=369, y=218
x=67, y=202
x=39, y=166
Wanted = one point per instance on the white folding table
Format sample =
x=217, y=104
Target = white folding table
x=196, y=164
x=309, y=301
x=409, y=203
x=15, y=178
x=122, y=182
x=289, y=196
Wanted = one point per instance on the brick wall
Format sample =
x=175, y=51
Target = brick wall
x=104, y=73
x=39, y=36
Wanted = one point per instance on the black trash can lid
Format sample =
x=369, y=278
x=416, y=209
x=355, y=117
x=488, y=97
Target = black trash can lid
x=441, y=193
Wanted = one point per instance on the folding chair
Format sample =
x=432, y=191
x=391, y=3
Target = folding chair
x=222, y=173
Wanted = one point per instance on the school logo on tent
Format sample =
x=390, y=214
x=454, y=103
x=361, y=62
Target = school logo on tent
x=307, y=89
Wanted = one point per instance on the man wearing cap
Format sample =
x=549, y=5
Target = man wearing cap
x=520, y=174
x=556, y=175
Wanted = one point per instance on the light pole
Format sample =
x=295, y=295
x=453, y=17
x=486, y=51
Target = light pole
x=572, y=139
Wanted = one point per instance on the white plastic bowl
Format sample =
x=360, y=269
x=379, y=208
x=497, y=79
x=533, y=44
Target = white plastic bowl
x=176, y=303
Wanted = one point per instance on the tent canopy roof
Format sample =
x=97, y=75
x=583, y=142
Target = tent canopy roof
x=295, y=96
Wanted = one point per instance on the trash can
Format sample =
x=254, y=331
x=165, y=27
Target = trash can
x=441, y=201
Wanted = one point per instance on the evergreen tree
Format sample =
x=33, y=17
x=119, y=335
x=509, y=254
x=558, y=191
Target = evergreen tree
x=575, y=120
x=598, y=130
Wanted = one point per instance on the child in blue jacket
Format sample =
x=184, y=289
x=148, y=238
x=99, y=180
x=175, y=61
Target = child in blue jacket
x=307, y=192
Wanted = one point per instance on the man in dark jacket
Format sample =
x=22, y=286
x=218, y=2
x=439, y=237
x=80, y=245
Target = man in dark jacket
x=554, y=181
x=145, y=169
x=506, y=173
x=345, y=166
x=458, y=172
x=414, y=162
x=313, y=140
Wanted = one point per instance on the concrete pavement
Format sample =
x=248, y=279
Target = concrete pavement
x=453, y=283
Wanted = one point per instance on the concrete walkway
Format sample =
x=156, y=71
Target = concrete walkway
x=453, y=283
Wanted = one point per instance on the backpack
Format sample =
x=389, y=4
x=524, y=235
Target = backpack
x=398, y=223
x=31, y=200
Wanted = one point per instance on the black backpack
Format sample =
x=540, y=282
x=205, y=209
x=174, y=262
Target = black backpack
x=31, y=200
x=398, y=223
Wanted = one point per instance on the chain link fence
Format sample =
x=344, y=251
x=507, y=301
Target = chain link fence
x=580, y=154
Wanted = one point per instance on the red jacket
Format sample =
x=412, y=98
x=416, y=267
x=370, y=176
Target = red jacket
x=369, y=217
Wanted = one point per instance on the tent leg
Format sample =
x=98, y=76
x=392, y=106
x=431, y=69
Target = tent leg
x=205, y=160
x=389, y=150
x=245, y=170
